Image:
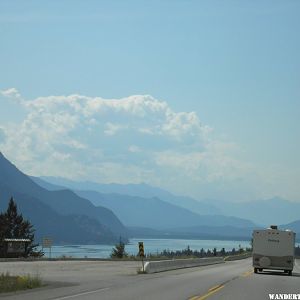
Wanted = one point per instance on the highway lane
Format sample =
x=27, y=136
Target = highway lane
x=118, y=280
x=259, y=286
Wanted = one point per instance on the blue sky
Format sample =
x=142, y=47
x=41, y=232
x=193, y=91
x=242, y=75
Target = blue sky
x=235, y=64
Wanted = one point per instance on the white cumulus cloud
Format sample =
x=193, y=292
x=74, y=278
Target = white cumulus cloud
x=12, y=94
x=133, y=139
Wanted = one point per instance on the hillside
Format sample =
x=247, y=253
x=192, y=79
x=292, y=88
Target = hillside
x=64, y=206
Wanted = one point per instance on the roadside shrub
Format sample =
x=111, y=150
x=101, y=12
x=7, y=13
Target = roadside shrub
x=10, y=283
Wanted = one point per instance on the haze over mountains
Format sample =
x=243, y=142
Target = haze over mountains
x=152, y=212
x=98, y=213
x=270, y=211
x=263, y=212
x=138, y=190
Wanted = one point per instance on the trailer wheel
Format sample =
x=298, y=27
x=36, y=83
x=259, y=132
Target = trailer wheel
x=290, y=273
x=255, y=270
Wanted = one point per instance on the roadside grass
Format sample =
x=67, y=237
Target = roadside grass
x=9, y=283
x=238, y=256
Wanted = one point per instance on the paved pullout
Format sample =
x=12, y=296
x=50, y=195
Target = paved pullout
x=119, y=280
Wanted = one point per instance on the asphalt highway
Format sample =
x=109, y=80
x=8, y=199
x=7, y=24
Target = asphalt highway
x=107, y=280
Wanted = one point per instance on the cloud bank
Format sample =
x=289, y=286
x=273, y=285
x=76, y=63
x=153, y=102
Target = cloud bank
x=129, y=140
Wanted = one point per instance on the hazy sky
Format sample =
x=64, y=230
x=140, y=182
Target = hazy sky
x=199, y=97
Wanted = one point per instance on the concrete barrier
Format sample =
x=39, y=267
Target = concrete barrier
x=166, y=265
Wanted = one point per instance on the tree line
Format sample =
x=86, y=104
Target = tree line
x=120, y=252
x=198, y=253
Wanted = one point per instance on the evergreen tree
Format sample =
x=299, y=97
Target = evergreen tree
x=14, y=226
x=215, y=251
x=119, y=250
x=223, y=252
x=189, y=252
x=202, y=252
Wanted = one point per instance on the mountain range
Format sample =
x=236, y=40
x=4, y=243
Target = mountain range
x=137, y=190
x=61, y=214
x=87, y=212
x=261, y=213
x=151, y=212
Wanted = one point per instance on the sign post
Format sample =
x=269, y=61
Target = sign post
x=47, y=243
x=142, y=253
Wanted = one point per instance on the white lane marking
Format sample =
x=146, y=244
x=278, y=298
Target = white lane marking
x=82, y=294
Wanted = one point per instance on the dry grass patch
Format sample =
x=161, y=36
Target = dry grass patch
x=9, y=283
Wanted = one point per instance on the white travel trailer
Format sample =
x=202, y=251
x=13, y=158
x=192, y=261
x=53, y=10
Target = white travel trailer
x=273, y=249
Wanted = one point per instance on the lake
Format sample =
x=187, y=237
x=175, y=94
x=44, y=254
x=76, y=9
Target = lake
x=150, y=245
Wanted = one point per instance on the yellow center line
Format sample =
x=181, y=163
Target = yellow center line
x=211, y=291
x=214, y=287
